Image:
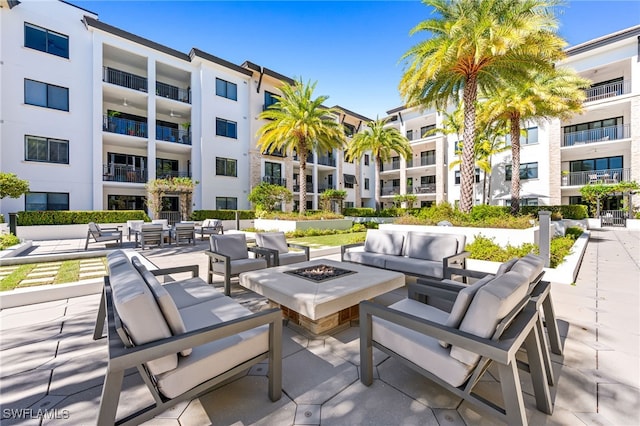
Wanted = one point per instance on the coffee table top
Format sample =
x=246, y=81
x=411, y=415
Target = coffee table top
x=317, y=300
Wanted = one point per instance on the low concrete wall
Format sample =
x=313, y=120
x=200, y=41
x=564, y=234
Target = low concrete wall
x=633, y=224
x=357, y=219
x=292, y=225
x=515, y=237
x=16, y=250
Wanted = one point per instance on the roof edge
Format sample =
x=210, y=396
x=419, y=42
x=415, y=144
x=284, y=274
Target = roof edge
x=209, y=57
x=603, y=41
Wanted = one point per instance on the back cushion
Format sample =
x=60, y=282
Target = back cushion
x=274, y=241
x=530, y=266
x=164, y=300
x=489, y=306
x=232, y=245
x=430, y=247
x=384, y=242
x=139, y=312
x=506, y=266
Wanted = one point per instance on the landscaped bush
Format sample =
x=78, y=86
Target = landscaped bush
x=8, y=240
x=222, y=214
x=480, y=217
x=360, y=212
x=1, y=218
x=65, y=217
x=483, y=211
x=573, y=211
x=309, y=215
x=573, y=232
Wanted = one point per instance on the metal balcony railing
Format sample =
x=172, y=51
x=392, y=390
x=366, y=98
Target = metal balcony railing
x=427, y=161
x=276, y=153
x=124, y=79
x=394, y=190
x=296, y=157
x=171, y=134
x=323, y=188
x=296, y=188
x=386, y=167
x=165, y=90
x=602, y=134
x=168, y=174
x=124, y=126
x=429, y=188
x=274, y=180
x=608, y=90
x=327, y=161
x=123, y=173
x=596, y=176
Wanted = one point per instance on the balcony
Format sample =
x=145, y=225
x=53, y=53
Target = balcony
x=165, y=90
x=327, y=161
x=274, y=180
x=123, y=173
x=124, y=126
x=386, y=167
x=124, y=79
x=169, y=174
x=276, y=153
x=309, y=157
x=609, y=90
x=602, y=134
x=322, y=188
x=171, y=134
x=429, y=188
x=596, y=176
x=390, y=190
x=296, y=188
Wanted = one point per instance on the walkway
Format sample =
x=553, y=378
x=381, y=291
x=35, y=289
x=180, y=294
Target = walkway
x=49, y=361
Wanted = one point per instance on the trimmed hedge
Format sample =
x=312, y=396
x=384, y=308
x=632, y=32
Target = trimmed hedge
x=573, y=211
x=222, y=214
x=65, y=217
x=1, y=218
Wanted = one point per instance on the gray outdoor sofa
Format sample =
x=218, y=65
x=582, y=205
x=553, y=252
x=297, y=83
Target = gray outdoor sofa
x=418, y=254
x=183, y=337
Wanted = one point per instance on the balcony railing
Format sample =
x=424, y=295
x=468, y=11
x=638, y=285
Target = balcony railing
x=276, y=153
x=296, y=188
x=429, y=188
x=608, y=90
x=327, y=161
x=124, y=79
x=274, y=180
x=322, y=188
x=171, y=134
x=385, y=167
x=168, y=174
x=596, y=176
x=172, y=92
x=296, y=157
x=393, y=190
x=124, y=126
x=602, y=134
x=123, y=173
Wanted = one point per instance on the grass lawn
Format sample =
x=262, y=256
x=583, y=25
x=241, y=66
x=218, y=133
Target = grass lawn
x=67, y=272
x=335, y=240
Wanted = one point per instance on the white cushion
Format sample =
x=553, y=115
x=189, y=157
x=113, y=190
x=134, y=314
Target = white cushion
x=384, y=242
x=191, y=291
x=232, y=245
x=292, y=257
x=358, y=255
x=273, y=240
x=240, y=265
x=427, y=247
x=164, y=300
x=410, y=266
x=530, y=266
x=506, y=266
x=460, y=238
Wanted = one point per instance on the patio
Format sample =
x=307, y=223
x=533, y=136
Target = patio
x=49, y=361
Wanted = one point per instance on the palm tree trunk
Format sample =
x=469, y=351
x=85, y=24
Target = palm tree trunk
x=467, y=172
x=515, y=164
x=488, y=199
x=376, y=176
x=484, y=187
x=303, y=183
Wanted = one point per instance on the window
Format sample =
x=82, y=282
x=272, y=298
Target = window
x=226, y=203
x=426, y=129
x=226, y=167
x=426, y=180
x=523, y=202
x=349, y=181
x=166, y=168
x=46, y=41
x=349, y=130
x=428, y=158
x=46, y=150
x=529, y=137
x=126, y=202
x=527, y=171
x=269, y=99
x=457, y=176
x=595, y=131
x=349, y=204
x=42, y=201
x=366, y=159
x=226, y=89
x=409, y=134
x=46, y=95
x=366, y=183
x=346, y=158
x=395, y=163
x=604, y=163
x=273, y=170
x=226, y=128
x=576, y=199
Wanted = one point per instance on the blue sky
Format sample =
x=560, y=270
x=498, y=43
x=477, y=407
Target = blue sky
x=351, y=48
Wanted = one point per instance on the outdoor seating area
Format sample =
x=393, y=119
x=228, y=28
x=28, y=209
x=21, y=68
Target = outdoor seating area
x=184, y=345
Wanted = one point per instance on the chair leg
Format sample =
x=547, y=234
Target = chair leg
x=102, y=314
x=546, y=357
x=275, y=360
x=366, y=349
x=538, y=371
x=227, y=284
x=512, y=393
x=110, y=397
x=552, y=325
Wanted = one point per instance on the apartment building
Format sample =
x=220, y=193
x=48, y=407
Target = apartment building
x=91, y=113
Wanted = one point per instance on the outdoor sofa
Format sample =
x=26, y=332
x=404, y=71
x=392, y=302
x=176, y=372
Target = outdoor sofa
x=419, y=254
x=183, y=337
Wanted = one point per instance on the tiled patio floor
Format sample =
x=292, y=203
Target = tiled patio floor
x=48, y=360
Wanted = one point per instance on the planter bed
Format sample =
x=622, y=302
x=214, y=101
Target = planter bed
x=293, y=225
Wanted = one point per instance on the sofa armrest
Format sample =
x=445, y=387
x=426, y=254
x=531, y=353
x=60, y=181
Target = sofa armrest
x=422, y=290
x=302, y=247
x=217, y=257
x=345, y=247
x=194, y=269
x=270, y=254
x=456, y=262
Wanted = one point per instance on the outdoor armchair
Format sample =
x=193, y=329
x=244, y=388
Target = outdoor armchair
x=210, y=227
x=102, y=235
x=229, y=256
x=278, y=249
x=133, y=228
x=184, y=232
x=151, y=234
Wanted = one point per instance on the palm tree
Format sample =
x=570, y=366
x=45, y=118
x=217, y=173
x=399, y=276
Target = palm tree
x=382, y=142
x=302, y=124
x=471, y=44
x=558, y=93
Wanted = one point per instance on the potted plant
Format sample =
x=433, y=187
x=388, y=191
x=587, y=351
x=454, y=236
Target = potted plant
x=186, y=137
x=565, y=177
x=111, y=120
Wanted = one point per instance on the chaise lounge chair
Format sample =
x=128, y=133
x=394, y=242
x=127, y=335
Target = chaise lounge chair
x=102, y=235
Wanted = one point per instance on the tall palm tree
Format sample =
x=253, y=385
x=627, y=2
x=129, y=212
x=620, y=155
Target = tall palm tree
x=382, y=142
x=471, y=44
x=557, y=93
x=297, y=122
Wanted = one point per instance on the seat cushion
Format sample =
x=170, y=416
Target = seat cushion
x=428, y=247
x=273, y=240
x=410, y=266
x=241, y=265
x=418, y=348
x=491, y=304
x=140, y=314
x=214, y=358
x=232, y=245
x=292, y=257
x=358, y=255
x=191, y=291
x=384, y=242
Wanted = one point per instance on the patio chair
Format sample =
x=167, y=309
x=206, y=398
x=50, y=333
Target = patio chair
x=278, y=247
x=133, y=228
x=210, y=227
x=151, y=234
x=102, y=235
x=229, y=256
x=488, y=324
x=184, y=232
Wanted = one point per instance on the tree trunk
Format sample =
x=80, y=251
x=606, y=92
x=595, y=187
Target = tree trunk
x=515, y=164
x=467, y=172
x=484, y=187
x=488, y=199
x=303, y=182
x=378, y=186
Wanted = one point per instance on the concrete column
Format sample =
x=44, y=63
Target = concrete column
x=151, y=119
x=554, y=138
x=314, y=174
x=98, y=201
x=544, y=241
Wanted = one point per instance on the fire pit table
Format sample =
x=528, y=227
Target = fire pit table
x=321, y=294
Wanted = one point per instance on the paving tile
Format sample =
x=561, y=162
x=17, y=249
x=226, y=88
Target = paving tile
x=79, y=373
x=20, y=336
x=593, y=419
x=346, y=345
x=378, y=404
x=174, y=412
x=620, y=367
x=307, y=414
x=17, y=395
x=28, y=357
x=620, y=404
x=448, y=417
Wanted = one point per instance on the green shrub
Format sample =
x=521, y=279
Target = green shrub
x=483, y=211
x=309, y=215
x=573, y=232
x=8, y=240
x=360, y=212
x=65, y=217
x=222, y=214
x=573, y=211
x=560, y=247
x=358, y=227
x=1, y=218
